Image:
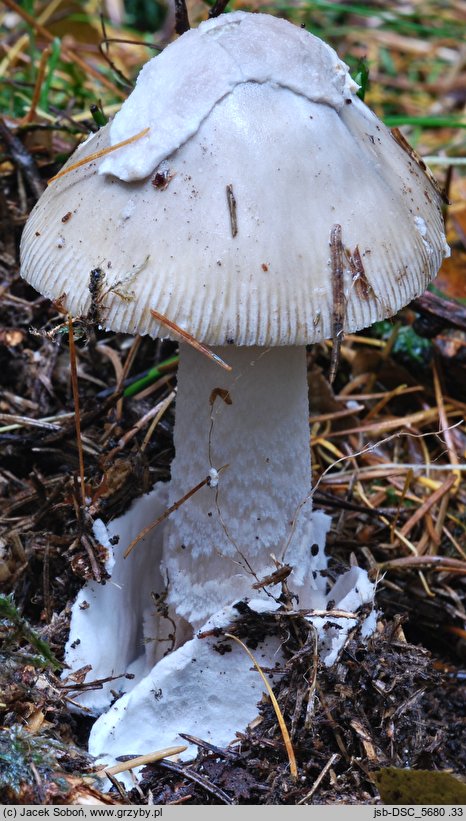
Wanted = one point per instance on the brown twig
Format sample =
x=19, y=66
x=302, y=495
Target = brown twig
x=166, y=514
x=218, y=8
x=190, y=339
x=105, y=41
x=335, y=757
x=211, y=748
x=336, y=256
x=98, y=154
x=323, y=498
x=38, y=86
x=439, y=563
x=428, y=415
x=141, y=761
x=434, y=497
x=200, y=780
x=157, y=411
x=333, y=724
x=77, y=417
x=181, y=17
x=452, y=314
x=23, y=160
x=86, y=543
x=231, y=200
x=447, y=434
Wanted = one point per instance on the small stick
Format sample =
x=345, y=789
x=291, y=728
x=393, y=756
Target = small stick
x=454, y=542
x=364, y=397
x=441, y=563
x=14, y=422
x=162, y=408
x=167, y=513
x=77, y=416
x=190, y=339
x=112, y=355
x=38, y=86
x=451, y=314
x=336, y=253
x=157, y=411
x=319, y=778
x=232, y=209
x=328, y=417
x=441, y=516
x=92, y=559
x=326, y=614
x=425, y=507
x=181, y=17
x=218, y=8
x=333, y=724
x=104, y=48
x=442, y=415
x=141, y=760
x=407, y=482
x=201, y=780
x=211, y=748
x=361, y=284
x=311, y=693
x=22, y=159
x=277, y=577
x=387, y=397
x=98, y=154
x=129, y=362
x=393, y=424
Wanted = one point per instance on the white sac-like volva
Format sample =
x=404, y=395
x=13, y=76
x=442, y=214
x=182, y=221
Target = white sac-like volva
x=199, y=688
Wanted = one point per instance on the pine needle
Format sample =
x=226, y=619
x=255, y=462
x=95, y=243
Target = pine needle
x=98, y=154
x=191, y=340
x=278, y=712
x=142, y=760
x=143, y=533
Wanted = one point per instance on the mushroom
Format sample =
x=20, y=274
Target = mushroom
x=258, y=205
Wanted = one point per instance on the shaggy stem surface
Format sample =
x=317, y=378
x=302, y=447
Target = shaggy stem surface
x=251, y=425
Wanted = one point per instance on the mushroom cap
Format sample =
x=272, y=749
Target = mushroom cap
x=265, y=200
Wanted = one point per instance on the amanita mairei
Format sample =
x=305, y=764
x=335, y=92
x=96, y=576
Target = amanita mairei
x=266, y=208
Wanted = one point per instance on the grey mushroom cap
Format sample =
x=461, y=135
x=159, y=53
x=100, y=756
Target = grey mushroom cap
x=235, y=214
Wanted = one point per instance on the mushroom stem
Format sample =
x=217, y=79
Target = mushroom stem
x=255, y=421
